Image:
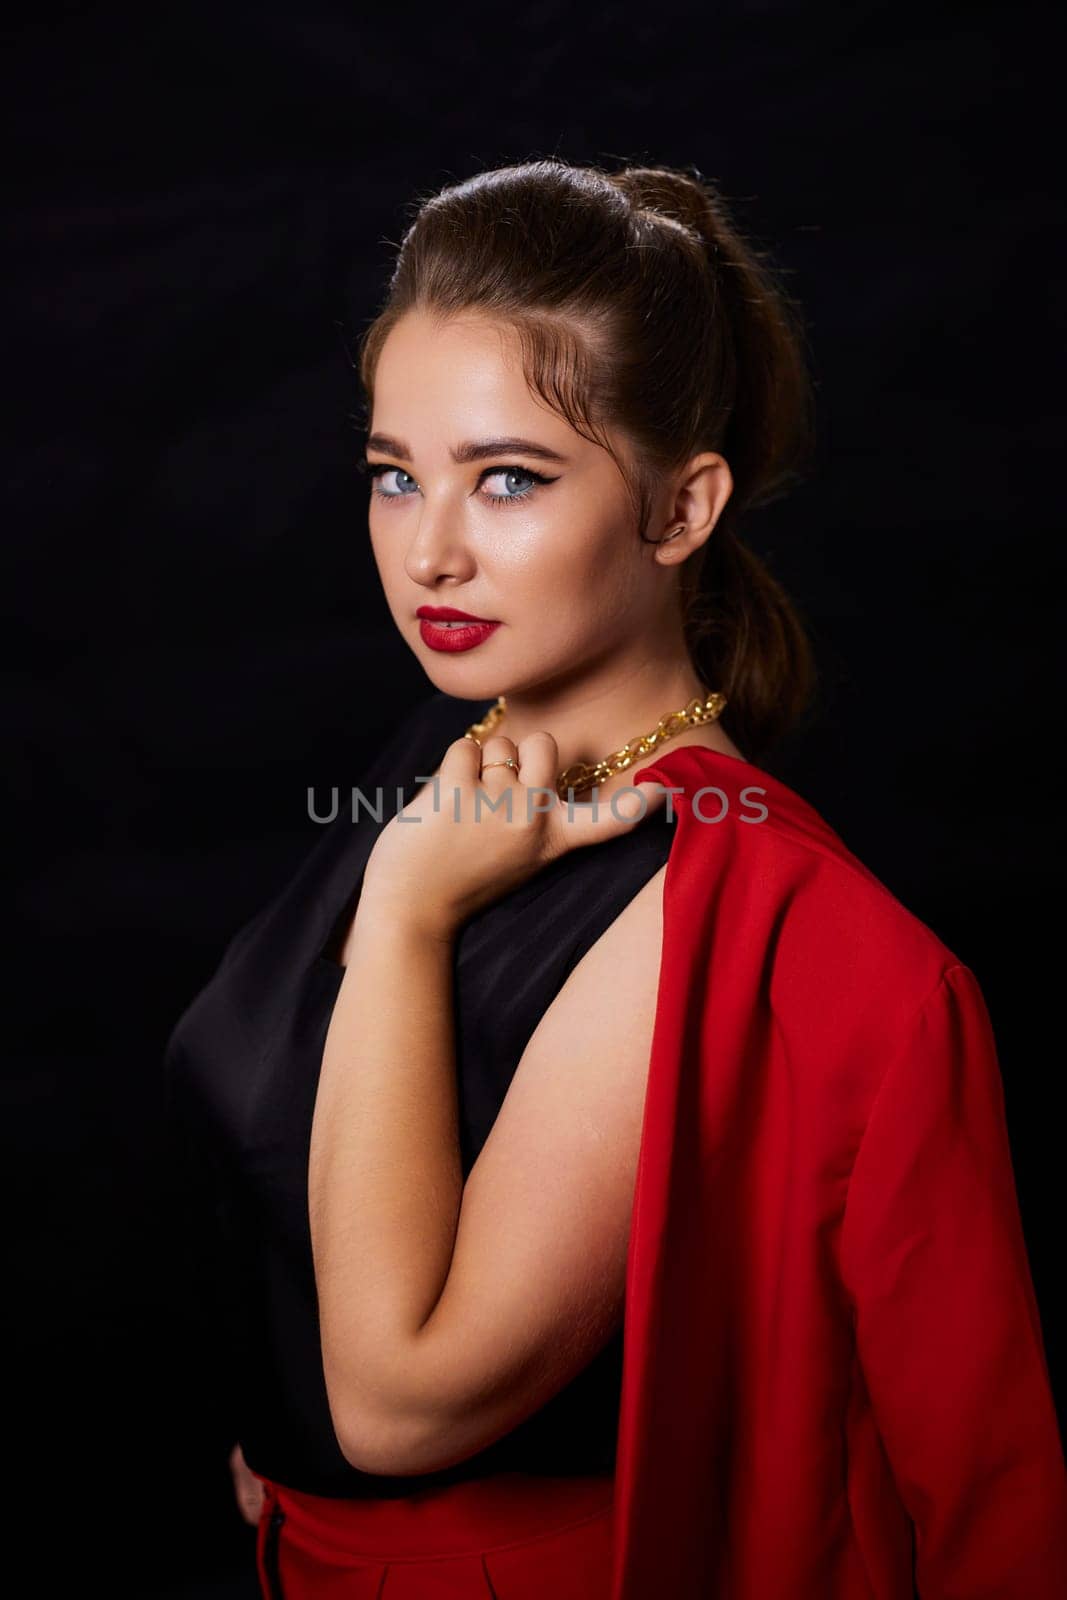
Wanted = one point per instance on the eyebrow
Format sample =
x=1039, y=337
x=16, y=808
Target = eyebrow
x=471, y=450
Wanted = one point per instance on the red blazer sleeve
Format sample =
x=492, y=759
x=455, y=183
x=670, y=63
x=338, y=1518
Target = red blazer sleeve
x=946, y=1322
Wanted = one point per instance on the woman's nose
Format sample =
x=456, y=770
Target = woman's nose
x=438, y=548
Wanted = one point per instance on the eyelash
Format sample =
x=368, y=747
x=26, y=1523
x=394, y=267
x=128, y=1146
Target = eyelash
x=374, y=470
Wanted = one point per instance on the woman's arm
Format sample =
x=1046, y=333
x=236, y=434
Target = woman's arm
x=448, y=1312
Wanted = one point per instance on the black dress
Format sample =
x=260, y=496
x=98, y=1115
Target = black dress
x=242, y=1069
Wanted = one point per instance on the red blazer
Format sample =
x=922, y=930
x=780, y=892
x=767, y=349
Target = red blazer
x=834, y=1383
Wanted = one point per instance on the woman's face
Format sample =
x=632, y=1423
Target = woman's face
x=557, y=564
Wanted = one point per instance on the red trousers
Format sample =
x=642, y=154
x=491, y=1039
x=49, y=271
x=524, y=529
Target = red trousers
x=511, y=1536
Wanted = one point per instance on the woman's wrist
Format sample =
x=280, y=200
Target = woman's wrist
x=386, y=904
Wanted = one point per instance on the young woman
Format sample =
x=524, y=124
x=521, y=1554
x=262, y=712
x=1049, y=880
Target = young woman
x=613, y=1203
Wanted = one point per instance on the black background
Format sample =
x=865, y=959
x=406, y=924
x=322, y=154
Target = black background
x=199, y=198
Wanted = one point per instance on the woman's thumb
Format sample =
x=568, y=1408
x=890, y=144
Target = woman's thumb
x=636, y=802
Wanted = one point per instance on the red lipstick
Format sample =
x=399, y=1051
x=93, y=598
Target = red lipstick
x=445, y=628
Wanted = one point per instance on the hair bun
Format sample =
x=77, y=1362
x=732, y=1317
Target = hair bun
x=671, y=192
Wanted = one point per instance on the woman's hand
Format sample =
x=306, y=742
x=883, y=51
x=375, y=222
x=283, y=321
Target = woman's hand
x=466, y=839
x=246, y=1486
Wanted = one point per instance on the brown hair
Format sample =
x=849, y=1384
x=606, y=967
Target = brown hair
x=640, y=308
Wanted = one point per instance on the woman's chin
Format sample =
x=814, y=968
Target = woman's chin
x=450, y=676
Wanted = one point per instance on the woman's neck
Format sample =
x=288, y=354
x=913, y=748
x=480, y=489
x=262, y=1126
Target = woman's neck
x=591, y=719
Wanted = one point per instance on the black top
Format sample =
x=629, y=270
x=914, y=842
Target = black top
x=242, y=1069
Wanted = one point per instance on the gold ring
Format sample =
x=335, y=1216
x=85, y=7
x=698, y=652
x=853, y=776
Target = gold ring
x=508, y=762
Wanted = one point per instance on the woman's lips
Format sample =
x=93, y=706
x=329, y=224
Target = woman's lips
x=454, y=635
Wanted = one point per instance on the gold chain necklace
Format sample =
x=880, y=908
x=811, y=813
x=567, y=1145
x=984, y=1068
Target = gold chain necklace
x=582, y=775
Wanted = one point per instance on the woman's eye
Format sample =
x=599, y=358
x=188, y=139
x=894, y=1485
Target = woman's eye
x=378, y=472
x=509, y=473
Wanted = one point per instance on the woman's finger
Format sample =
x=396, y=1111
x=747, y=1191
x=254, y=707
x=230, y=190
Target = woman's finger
x=248, y=1489
x=496, y=750
x=251, y=1506
x=461, y=760
x=617, y=812
x=539, y=764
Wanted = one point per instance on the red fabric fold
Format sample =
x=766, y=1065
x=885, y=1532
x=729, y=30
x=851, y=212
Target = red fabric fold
x=834, y=1381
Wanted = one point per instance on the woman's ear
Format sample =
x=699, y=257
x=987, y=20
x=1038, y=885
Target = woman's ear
x=699, y=501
